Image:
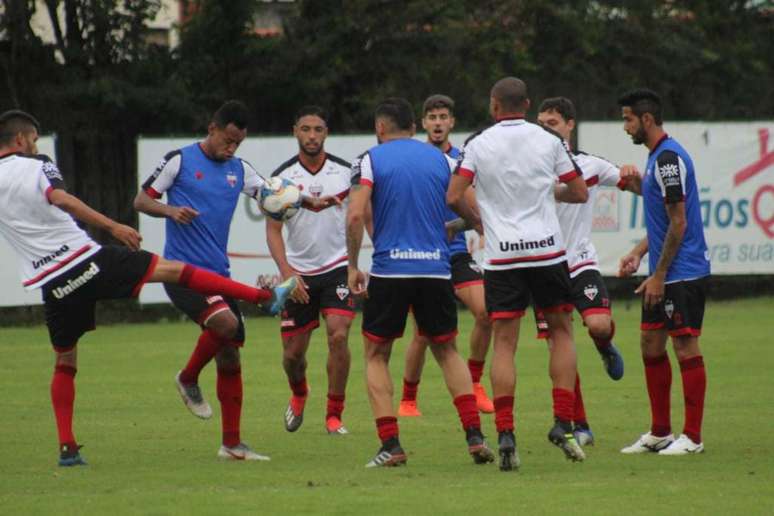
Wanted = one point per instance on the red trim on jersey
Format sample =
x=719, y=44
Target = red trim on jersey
x=324, y=267
x=682, y=332
x=380, y=340
x=621, y=185
x=366, y=182
x=311, y=325
x=210, y=311
x=350, y=314
x=152, y=193
x=145, y=277
x=515, y=314
x=568, y=176
x=564, y=307
x=582, y=264
x=308, y=169
x=58, y=266
x=466, y=173
x=466, y=284
x=659, y=142
x=340, y=195
x=595, y=311
x=651, y=326
x=539, y=258
x=592, y=180
x=343, y=195
x=48, y=194
x=439, y=339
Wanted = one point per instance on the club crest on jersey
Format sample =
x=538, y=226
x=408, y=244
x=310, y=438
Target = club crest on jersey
x=342, y=291
x=316, y=190
x=231, y=179
x=590, y=291
x=669, y=308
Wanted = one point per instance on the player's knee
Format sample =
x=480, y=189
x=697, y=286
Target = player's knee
x=225, y=328
x=68, y=358
x=482, y=318
x=599, y=328
x=337, y=339
x=227, y=358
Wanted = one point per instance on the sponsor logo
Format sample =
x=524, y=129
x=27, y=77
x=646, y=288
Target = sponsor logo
x=287, y=323
x=231, y=179
x=670, y=174
x=522, y=245
x=411, y=254
x=316, y=190
x=669, y=308
x=211, y=300
x=76, y=283
x=51, y=172
x=342, y=291
x=50, y=257
x=590, y=291
x=476, y=267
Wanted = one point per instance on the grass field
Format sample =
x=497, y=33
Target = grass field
x=148, y=455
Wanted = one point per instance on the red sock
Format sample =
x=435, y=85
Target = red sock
x=63, y=399
x=658, y=377
x=602, y=343
x=476, y=369
x=206, y=348
x=468, y=411
x=694, y=387
x=387, y=428
x=300, y=388
x=335, y=406
x=209, y=283
x=230, y=397
x=564, y=404
x=579, y=411
x=503, y=413
x=410, y=390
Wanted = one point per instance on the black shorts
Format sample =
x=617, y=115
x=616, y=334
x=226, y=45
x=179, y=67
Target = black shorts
x=113, y=272
x=430, y=299
x=681, y=312
x=589, y=296
x=328, y=293
x=465, y=271
x=508, y=291
x=199, y=308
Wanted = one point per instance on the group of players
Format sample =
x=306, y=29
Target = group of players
x=516, y=182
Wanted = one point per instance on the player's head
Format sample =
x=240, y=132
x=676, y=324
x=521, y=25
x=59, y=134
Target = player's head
x=311, y=129
x=19, y=132
x=394, y=116
x=508, y=97
x=438, y=118
x=641, y=113
x=558, y=114
x=227, y=129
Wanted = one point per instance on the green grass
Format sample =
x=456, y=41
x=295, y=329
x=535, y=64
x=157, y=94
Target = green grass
x=147, y=455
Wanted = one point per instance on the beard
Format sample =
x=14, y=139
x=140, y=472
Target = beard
x=312, y=151
x=639, y=137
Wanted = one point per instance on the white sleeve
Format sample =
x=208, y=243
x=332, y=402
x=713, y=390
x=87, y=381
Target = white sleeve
x=565, y=167
x=467, y=161
x=609, y=175
x=253, y=181
x=362, y=171
x=164, y=176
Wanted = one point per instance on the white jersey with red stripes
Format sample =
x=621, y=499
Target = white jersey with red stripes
x=575, y=219
x=515, y=165
x=315, y=241
x=46, y=239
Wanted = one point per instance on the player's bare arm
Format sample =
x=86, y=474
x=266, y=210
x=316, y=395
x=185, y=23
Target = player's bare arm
x=82, y=212
x=146, y=204
x=277, y=250
x=653, y=287
x=359, y=199
x=629, y=264
x=574, y=191
x=320, y=203
x=458, y=202
x=631, y=179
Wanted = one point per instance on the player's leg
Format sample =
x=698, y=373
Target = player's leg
x=412, y=374
x=384, y=319
x=63, y=403
x=472, y=295
x=684, y=326
x=592, y=300
x=435, y=310
x=339, y=358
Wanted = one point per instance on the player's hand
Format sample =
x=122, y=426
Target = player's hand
x=321, y=203
x=356, y=281
x=629, y=172
x=628, y=265
x=127, y=236
x=300, y=294
x=183, y=214
x=652, y=290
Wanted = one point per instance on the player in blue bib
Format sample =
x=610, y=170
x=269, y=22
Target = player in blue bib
x=405, y=182
x=673, y=294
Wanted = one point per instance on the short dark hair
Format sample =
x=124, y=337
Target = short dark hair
x=511, y=93
x=438, y=101
x=231, y=112
x=312, y=110
x=641, y=101
x=14, y=122
x=398, y=110
x=561, y=105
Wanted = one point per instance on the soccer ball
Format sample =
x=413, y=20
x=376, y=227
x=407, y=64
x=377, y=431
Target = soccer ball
x=280, y=198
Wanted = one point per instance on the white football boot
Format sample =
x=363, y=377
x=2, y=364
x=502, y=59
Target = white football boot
x=682, y=446
x=649, y=443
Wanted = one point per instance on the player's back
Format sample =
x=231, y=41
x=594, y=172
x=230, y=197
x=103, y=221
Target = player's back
x=410, y=179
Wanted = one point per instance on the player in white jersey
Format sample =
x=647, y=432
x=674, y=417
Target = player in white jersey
x=516, y=165
x=589, y=293
x=315, y=252
x=72, y=270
